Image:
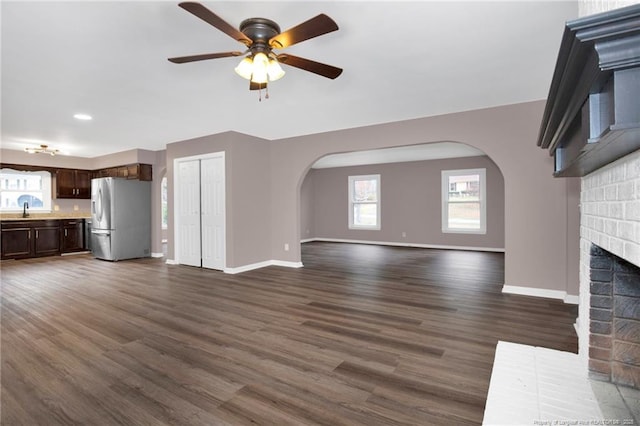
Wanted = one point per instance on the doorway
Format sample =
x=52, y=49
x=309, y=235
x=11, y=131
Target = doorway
x=200, y=211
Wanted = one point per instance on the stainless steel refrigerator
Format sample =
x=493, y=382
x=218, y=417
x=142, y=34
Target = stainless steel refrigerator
x=120, y=218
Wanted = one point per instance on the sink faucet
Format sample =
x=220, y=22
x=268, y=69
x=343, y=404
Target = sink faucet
x=25, y=209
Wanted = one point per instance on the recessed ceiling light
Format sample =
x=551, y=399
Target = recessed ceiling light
x=82, y=117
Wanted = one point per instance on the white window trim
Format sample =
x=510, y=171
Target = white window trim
x=352, y=179
x=46, y=192
x=483, y=201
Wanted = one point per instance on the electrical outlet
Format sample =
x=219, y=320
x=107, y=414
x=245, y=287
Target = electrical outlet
x=286, y=246
x=56, y=208
x=404, y=235
x=76, y=208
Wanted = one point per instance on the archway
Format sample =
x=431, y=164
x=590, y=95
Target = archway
x=411, y=197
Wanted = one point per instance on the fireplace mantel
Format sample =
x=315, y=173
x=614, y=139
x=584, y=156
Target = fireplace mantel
x=592, y=114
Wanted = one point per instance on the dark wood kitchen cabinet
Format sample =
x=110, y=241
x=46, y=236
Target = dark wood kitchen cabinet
x=16, y=241
x=71, y=235
x=47, y=238
x=131, y=171
x=23, y=239
x=71, y=183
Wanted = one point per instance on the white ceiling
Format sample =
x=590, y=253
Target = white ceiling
x=428, y=151
x=401, y=60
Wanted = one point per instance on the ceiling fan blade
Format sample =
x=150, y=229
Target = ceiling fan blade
x=205, y=56
x=309, y=65
x=314, y=27
x=257, y=86
x=211, y=18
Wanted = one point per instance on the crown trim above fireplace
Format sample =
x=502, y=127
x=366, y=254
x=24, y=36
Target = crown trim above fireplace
x=592, y=114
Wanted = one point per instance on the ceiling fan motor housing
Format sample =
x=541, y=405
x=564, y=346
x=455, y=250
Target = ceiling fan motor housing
x=260, y=30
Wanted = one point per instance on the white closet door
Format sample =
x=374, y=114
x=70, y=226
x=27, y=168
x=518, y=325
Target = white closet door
x=212, y=212
x=188, y=207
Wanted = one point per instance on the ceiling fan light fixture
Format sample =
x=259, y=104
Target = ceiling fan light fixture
x=274, y=70
x=260, y=64
x=245, y=68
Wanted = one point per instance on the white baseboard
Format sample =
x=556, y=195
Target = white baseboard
x=541, y=292
x=571, y=299
x=399, y=244
x=258, y=265
x=171, y=262
x=287, y=264
x=157, y=254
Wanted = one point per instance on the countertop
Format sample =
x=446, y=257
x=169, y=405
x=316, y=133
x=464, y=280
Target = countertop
x=6, y=217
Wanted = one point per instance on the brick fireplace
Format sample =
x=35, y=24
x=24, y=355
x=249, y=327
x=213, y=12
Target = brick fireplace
x=614, y=326
x=591, y=127
x=609, y=311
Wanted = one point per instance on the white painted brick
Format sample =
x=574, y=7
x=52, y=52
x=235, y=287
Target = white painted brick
x=603, y=209
x=626, y=190
x=615, y=246
x=627, y=230
x=617, y=174
x=599, y=193
x=611, y=227
x=632, y=253
x=632, y=210
x=611, y=193
x=616, y=210
x=599, y=224
x=633, y=166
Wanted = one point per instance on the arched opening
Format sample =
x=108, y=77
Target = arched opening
x=416, y=206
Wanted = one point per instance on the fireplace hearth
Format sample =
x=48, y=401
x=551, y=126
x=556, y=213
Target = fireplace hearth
x=614, y=328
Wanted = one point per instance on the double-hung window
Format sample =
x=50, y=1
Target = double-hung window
x=364, y=202
x=20, y=187
x=464, y=201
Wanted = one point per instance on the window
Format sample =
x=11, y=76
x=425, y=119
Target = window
x=364, y=202
x=164, y=204
x=463, y=201
x=19, y=187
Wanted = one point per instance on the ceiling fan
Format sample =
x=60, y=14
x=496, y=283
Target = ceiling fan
x=261, y=36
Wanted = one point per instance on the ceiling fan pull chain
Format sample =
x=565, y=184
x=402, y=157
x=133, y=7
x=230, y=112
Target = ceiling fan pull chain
x=266, y=90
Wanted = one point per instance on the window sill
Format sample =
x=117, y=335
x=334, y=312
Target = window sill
x=464, y=231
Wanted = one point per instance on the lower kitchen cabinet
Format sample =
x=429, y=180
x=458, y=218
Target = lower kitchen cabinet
x=71, y=235
x=36, y=238
x=16, y=241
x=47, y=239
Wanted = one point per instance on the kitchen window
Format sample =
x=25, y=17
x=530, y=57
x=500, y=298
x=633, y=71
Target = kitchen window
x=364, y=202
x=464, y=201
x=20, y=187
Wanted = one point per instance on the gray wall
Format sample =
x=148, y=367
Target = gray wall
x=248, y=203
x=536, y=240
x=410, y=203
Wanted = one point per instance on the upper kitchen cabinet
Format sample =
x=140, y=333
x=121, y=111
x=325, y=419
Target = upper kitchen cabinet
x=72, y=183
x=131, y=171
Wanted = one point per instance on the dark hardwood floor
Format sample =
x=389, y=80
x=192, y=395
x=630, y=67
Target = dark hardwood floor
x=361, y=335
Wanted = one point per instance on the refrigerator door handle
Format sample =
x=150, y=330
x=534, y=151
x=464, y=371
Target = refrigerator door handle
x=101, y=231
